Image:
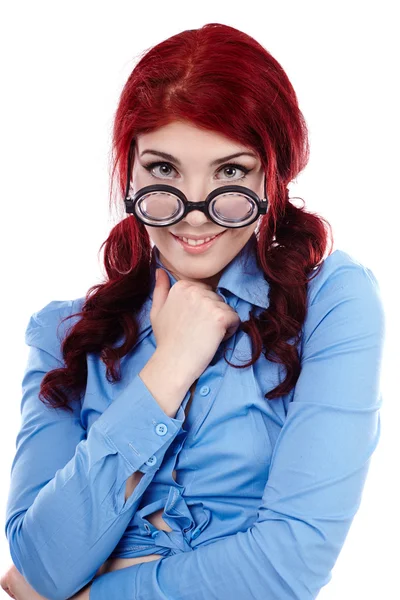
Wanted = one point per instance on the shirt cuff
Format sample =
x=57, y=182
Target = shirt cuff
x=138, y=427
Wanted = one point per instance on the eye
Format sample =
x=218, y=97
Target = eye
x=149, y=167
x=235, y=168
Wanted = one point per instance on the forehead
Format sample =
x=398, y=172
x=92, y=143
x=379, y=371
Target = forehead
x=188, y=142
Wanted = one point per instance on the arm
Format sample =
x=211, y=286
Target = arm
x=318, y=468
x=67, y=506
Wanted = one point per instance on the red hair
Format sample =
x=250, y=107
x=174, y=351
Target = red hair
x=221, y=79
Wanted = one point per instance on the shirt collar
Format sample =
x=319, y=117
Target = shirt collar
x=242, y=279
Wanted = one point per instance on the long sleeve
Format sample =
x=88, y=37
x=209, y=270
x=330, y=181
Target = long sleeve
x=66, y=508
x=317, y=474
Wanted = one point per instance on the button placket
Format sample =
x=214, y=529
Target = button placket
x=217, y=369
x=172, y=454
x=216, y=373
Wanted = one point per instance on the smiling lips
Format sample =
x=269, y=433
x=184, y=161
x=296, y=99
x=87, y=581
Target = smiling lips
x=196, y=242
x=197, y=246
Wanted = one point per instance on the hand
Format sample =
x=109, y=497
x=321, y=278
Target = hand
x=17, y=587
x=189, y=322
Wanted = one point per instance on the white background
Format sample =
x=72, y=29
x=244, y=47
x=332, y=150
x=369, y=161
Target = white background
x=63, y=66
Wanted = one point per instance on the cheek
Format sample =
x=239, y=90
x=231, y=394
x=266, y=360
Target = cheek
x=158, y=234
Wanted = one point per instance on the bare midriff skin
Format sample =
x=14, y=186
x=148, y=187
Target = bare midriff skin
x=113, y=564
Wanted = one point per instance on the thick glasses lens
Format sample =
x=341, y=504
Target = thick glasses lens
x=227, y=209
x=158, y=206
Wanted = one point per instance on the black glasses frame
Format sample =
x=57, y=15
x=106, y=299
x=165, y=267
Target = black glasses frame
x=262, y=205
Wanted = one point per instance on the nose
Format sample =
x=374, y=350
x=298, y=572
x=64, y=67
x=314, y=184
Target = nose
x=196, y=193
x=196, y=218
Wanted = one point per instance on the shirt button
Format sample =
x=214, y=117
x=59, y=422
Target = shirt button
x=195, y=534
x=204, y=390
x=161, y=429
x=152, y=461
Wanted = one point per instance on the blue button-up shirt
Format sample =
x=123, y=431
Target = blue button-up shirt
x=265, y=491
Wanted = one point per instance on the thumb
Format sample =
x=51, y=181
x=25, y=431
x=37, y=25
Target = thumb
x=161, y=291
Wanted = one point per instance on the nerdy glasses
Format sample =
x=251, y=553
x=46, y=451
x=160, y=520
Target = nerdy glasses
x=162, y=205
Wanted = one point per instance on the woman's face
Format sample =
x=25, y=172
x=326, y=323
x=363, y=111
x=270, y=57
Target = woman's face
x=193, y=150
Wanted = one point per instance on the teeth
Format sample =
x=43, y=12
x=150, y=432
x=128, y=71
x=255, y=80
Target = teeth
x=196, y=242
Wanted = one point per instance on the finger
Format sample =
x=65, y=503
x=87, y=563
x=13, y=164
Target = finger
x=5, y=584
x=160, y=292
x=7, y=589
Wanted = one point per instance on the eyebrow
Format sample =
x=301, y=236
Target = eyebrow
x=218, y=161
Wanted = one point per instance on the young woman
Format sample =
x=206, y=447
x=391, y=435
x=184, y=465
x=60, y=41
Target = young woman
x=207, y=435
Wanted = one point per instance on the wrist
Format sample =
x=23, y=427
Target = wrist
x=165, y=382
x=178, y=374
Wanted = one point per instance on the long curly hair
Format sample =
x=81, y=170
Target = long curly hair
x=215, y=77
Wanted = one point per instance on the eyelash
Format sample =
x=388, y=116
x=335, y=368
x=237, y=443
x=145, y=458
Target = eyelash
x=151, y=166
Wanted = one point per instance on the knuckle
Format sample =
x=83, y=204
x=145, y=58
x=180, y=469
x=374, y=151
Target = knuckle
x=220, y=314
